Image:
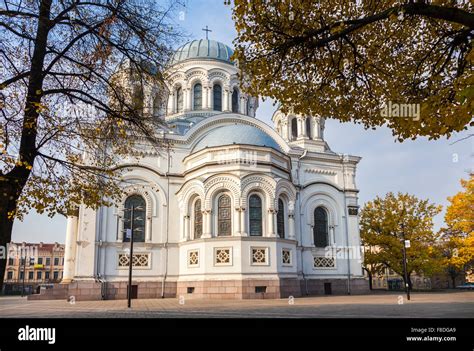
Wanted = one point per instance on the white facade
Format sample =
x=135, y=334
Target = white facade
x=284, y=174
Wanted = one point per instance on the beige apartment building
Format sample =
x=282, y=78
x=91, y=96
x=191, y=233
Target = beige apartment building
x=31, y=265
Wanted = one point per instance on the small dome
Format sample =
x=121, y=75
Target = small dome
x=203, y=49
x=236, y=134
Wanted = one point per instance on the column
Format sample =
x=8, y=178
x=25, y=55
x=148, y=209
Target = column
x=242, y=105
x=148, y=230
x=120, y=227
x=187, y=99
x=239, y=224
x=301, y=128
x=225, y=100
x=70, y=247
x=207, y=224
x=242, y=222
x=170, y=103
x=291, y=226
x=284, y=129
x=271, y=223
x=332, y=235
x=187, y=234
x=209, y=98
x=204, y=97
x=275, y=225
x=190, y=99
x=316, y=131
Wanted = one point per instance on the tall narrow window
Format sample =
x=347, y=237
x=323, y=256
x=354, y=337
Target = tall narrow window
x=294, y=128
x=157, y=106
x=139, y=210
x=197, y=97
x=249, y=105
x=179, y=99
x=235, y=101
x=255, y=215
x=217, y=97
x=197, y=219
x=320, y=229
x=308, y=127
x=160, y=102
x=137, y=99
x=281, y=219
x=224, y=220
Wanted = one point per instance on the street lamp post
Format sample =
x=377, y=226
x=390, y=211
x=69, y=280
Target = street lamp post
x=406, y=243
x=23, y=257
x=130, y=260
x=130, y=233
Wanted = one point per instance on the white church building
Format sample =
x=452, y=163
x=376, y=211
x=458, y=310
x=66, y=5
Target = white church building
x=233, y=208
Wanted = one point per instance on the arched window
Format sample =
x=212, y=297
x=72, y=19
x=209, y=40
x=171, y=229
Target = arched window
x=308, y=127
x=235, y=101
x=217, y=97
x=249, y=105
x=224, y=220
x=320, y=229
x=294, y=128
x=255, y=215
x=179, y=99
x=281, y=219
x=197, y=219
x=139, y=211
x=197, y=97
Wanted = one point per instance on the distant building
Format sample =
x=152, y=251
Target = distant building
x=32, y=264
x=389, y=280
x=444, y=281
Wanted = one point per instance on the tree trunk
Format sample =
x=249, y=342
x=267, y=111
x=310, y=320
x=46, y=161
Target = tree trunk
x=13, y=183
x=453, y=280
x=370, y=280
x=6, y=226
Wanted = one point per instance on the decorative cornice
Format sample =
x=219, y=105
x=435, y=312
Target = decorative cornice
x=137, y=246
x=320, y=171
x=263, y=239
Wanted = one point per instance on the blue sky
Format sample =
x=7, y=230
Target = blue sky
x=424, y=168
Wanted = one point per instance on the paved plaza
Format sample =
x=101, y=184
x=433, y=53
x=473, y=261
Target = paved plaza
x=459, y=304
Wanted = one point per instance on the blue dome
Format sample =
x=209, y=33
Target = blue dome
x=236, y=134
x=203, y=49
